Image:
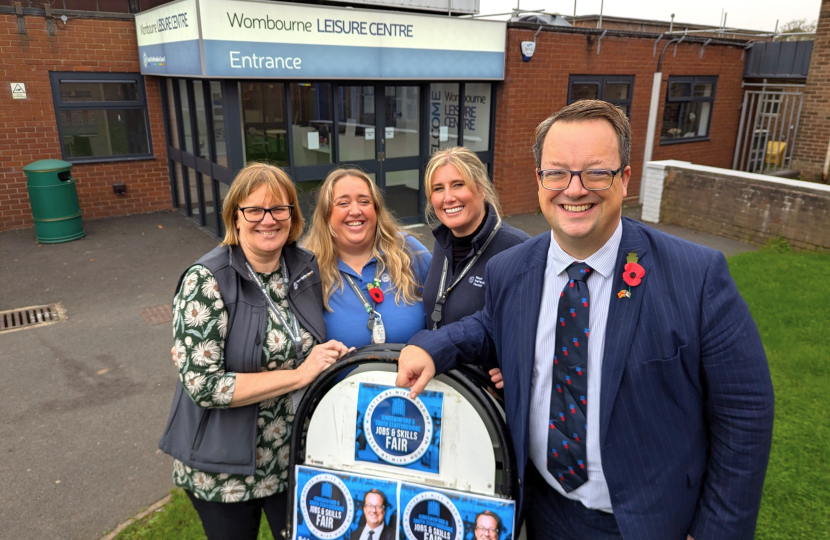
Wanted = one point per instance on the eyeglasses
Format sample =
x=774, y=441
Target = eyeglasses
x=486, y=530
x=374, y=506
x=592, y=179
x=255, y=214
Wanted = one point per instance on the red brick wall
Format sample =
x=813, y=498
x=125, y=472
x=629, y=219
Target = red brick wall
x=811, y=145
x=28, y=128
x=533, y=90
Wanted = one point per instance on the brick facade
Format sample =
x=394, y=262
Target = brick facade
x=812, y=144
x=28, y=128
x=533, y=90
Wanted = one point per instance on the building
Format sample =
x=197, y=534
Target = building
x=171, y=99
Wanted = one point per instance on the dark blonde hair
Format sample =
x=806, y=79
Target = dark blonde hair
x=249, y=180
x=390, y=248
x=473, y=174
x=587, y=109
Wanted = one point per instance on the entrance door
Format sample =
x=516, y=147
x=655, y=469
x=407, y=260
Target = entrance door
x=379, y=131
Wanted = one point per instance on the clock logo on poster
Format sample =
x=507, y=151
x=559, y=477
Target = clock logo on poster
x=398, y=429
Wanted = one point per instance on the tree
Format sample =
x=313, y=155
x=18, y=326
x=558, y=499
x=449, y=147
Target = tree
x=797, y=26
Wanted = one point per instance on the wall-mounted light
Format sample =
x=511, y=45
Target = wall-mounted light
x=119, y=188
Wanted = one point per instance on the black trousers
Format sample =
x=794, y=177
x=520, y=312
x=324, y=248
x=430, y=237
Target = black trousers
x=240, y=521
x=550, y=516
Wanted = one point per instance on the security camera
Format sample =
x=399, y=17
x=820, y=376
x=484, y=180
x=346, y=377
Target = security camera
x=528, y=48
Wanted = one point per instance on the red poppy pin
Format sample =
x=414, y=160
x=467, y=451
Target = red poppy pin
x=375, y=291
x=633, y=274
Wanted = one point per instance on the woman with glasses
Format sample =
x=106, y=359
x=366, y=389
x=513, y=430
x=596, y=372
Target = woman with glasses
x=372, y=272
x=249, y=333
x=471, y=232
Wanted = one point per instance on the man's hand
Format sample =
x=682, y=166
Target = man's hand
x=415, y=370
x=496, y=378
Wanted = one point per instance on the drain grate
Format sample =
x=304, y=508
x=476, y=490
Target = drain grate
x=28, y=317
x=157, y=314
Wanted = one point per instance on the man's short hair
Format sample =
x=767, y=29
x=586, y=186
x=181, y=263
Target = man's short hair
x=587, y=109
x=490, y=514
x=376, y=492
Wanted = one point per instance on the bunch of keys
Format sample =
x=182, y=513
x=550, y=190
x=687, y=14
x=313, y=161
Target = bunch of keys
x=375, y=325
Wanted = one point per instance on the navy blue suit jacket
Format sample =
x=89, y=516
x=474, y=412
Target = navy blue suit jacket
x=686, y=401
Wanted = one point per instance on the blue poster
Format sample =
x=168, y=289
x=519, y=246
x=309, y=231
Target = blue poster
x=435, y=514
x=337, y=505
x=396, y=430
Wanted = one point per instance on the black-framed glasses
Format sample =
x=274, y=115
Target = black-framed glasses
x=486, y=530
x=255, y=214
x=374, y=506
x=592, y=179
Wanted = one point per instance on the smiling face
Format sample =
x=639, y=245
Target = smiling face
x=353, y=217
x=456, y=205
x=373, y=510
x=484, y=524
x=581, y=220
x=262, y=242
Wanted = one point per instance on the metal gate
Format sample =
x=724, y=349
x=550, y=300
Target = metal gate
x=768, y=128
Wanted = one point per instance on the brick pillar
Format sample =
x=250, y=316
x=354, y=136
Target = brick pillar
x=813, y=141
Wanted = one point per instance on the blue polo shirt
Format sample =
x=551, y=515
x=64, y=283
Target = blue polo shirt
x=347, y=320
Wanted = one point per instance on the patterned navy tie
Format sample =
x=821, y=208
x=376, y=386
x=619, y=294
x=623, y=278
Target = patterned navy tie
x=569, y=387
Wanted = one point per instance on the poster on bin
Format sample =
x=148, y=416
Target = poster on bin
x=435, y=514
x=393, y=429
x=337, y=505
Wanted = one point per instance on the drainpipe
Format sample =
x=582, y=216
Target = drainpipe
x=654, y=106
x=826, y=170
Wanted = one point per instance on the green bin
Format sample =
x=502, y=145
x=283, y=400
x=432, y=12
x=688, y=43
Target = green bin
x=54, y=201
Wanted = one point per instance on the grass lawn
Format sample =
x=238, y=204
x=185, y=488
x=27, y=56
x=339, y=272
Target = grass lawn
x=789, y=297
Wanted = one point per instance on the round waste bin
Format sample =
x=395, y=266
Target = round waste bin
x=54, y=201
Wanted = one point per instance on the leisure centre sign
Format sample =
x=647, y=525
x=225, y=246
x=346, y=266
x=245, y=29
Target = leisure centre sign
x=268, y=40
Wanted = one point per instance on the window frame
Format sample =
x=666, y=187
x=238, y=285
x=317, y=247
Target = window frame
x=601, y=81
x=692, y=80
x=140, y=103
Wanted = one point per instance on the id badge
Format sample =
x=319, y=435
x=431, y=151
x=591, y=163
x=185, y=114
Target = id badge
x=378, y=330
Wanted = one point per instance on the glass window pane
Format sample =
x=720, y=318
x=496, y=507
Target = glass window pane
x=201, y=119
x=218, y=123
x=172, y=121
x=703, y=89
x=584, y=91
x=680, y=89
x=185, y=104
x=207, y=190
x=193, y=186
x=177, y=171
x=671, y=113
x=307, y=194
x=223, y=193
x=356, y=136
x=104, y=133
x=263, y=111
x=477, y=102
x=312, y=119
x=623, y=108
x=76, y=91
x=703, y=119
x=443, y=116
x=401, y=133
x=616, y=91
x=403, y=192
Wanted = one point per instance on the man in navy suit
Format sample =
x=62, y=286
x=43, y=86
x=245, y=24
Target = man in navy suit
x=673, y=436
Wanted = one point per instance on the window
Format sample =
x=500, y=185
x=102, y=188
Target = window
x=101, y=116
x=688, y=110
x=615, y=89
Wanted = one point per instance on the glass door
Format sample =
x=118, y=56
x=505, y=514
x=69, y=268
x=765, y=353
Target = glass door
x=379, y=131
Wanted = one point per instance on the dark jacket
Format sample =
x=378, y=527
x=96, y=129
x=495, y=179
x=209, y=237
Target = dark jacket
x=388, y=532
x=468, y=295
x=224, y=440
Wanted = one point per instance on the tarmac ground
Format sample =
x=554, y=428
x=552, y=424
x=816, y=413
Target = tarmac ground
x=84, y=400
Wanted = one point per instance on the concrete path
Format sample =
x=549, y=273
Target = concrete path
x=84, y=401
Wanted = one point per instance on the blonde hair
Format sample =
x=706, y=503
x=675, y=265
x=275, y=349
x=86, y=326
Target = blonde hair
x=472, y=171
x=390, y=248
x=249, y=180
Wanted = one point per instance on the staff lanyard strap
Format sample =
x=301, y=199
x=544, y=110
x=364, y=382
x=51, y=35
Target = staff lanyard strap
x=439, y=302
x=370, y=309
x=293, y=329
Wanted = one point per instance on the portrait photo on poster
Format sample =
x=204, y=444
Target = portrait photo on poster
x=392, y=429
x=435, y=514
x=336, y=505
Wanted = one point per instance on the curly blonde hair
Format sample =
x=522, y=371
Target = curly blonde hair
x=472, y=171
x=390, y=248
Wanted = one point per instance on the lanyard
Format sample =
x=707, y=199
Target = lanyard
x=370, y=309
x=439, y=302
x=294, y=328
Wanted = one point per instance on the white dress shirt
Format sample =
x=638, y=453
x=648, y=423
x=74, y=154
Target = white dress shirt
x=376, y=536
x=593, y=493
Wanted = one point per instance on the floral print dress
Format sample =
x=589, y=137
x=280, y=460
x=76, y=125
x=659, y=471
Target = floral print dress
x=200, y=323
